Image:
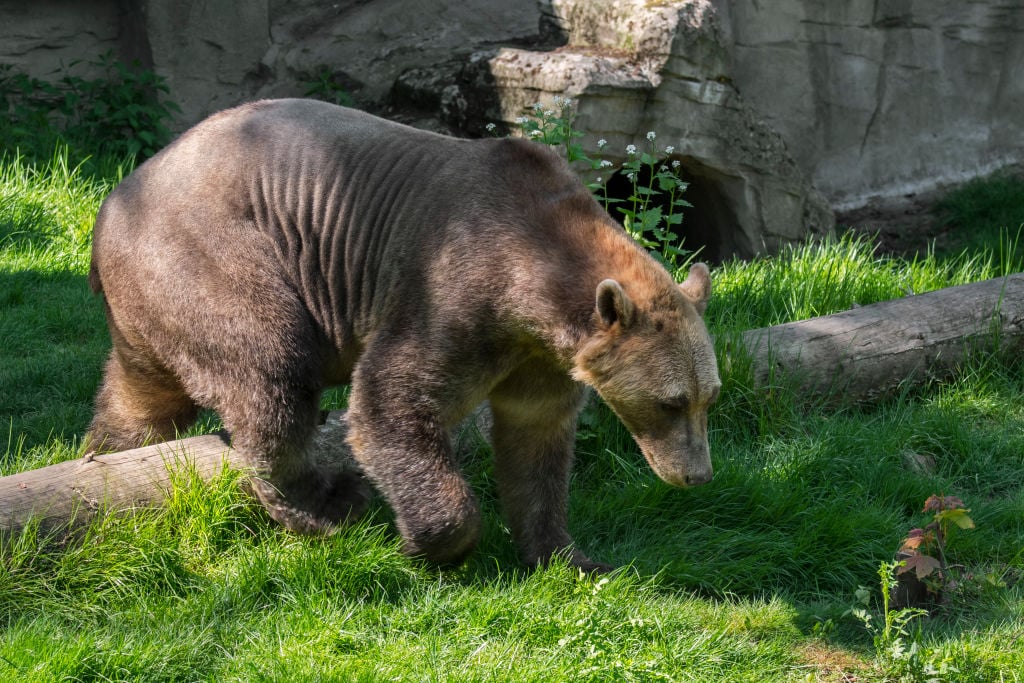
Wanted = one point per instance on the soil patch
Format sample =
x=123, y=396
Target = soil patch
x=902, y=226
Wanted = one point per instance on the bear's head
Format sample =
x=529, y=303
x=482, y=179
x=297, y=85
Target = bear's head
x=652, y=361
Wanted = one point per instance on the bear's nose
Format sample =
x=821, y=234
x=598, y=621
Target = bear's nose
x=698, y=479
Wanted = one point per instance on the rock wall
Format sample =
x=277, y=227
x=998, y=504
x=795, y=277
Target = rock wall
x=217, y=54
x=38, y=38
x=884, y=97
x=780, y=113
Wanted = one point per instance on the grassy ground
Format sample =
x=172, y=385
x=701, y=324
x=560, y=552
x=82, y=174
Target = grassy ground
x=746, y=579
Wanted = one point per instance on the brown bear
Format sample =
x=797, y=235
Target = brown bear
x=286, y=246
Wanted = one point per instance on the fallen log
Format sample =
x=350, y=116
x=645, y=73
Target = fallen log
x=77, y=490
x=860, y=353
x=874, y=350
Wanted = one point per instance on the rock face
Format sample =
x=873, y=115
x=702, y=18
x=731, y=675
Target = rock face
x=884, y=97
x=37, y=39
x=369, y=43
x=779, y=113
x=634, y=66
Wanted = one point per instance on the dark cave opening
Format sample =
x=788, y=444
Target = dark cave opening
x=709, y=226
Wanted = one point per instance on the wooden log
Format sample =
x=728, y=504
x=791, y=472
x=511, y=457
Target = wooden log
x=873, y=350
x=78, y=489
x=861, y=353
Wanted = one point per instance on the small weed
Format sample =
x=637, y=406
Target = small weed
x=323, y=84
x=924, y=549
x=899, y=650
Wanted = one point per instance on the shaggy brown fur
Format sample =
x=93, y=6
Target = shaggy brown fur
x=285, y=246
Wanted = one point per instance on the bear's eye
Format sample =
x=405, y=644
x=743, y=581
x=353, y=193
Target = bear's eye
x=675, y=405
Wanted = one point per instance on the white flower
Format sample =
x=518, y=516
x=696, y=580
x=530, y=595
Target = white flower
x=601, y=143
x=536, y=133
x=630, y=149
x=669, y=149
x=605, y=163
x=491, y=127
x=597, y=179
x=538, y=107
x=651, y=136
x=675, y=164
x=521, y=120
x=631, y=176
x=548, y=113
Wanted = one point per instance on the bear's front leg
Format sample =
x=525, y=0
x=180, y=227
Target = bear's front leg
x=398, y=439
x=534, y=431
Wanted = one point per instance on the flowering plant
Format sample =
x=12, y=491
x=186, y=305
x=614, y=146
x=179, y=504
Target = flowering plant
x=653, y=208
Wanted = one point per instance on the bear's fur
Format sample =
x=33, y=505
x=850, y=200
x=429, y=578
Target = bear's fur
x=282, y=247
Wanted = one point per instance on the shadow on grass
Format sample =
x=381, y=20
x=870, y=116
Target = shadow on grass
x=54, y=343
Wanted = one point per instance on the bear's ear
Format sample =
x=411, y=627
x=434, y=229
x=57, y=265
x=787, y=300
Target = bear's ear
x=613, y=305
x=697, y=287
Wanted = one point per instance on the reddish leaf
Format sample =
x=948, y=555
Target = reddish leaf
x=923, y=565
x=952, y=502
x=912, y=543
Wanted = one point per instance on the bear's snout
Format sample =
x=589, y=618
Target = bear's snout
x=698, y=478
x=680, y=454
x=685, y=477
x=680, y=469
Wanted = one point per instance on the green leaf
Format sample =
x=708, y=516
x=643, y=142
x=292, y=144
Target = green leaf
x=957, y=516
x=650, y=218
x=576, y=153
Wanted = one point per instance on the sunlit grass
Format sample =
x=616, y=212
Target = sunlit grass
x=835, y=274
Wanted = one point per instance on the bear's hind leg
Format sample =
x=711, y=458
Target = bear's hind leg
x=309, y=484
x=138, y=402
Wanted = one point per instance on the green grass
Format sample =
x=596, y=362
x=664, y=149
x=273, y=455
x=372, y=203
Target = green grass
x=745, y=579
x=981, y=211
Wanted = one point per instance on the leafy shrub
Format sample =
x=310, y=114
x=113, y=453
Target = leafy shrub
x=121, y=113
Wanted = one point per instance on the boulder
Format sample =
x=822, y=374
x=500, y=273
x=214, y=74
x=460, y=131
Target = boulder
x=368, y=45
